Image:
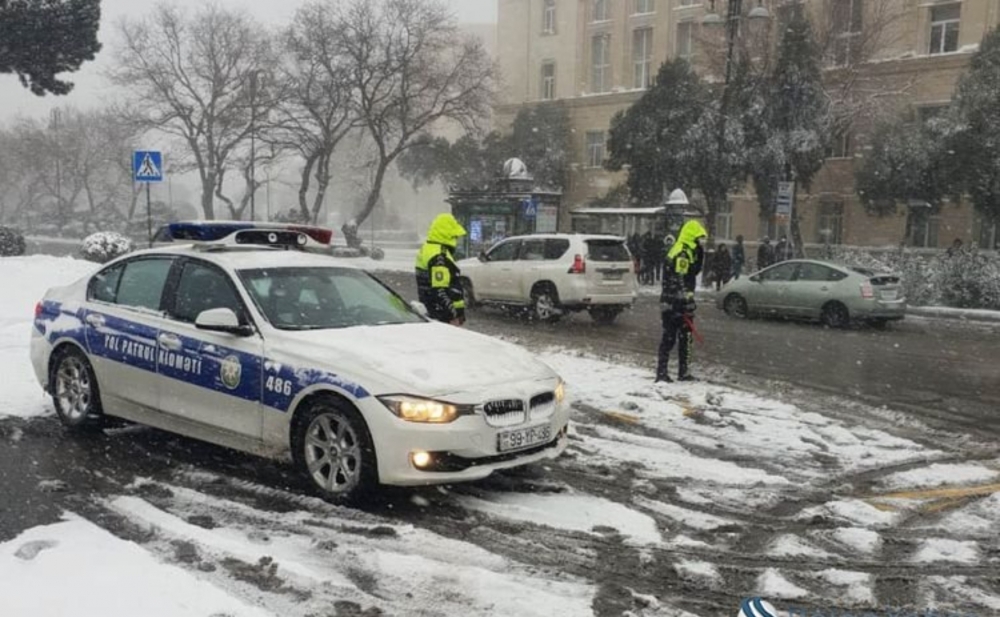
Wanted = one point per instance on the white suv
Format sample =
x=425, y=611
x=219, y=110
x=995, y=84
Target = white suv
x=553, y=274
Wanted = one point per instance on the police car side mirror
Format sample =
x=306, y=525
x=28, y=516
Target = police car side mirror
x=482, y=256
x=221, y=320
x=419, y=307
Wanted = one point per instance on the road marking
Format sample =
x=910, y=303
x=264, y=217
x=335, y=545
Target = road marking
x=622, y=417
x=934, y=499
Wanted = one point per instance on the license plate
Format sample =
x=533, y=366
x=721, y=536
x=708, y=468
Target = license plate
x=613, y=276
x=524, y=438
x=889, y=294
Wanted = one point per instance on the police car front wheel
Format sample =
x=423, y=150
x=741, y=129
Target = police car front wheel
x=75, y=393
x=333, y=449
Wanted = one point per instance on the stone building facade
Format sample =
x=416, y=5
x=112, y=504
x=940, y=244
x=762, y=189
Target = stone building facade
x=597, y=56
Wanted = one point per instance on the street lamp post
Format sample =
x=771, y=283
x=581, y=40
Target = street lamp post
x=253, y=143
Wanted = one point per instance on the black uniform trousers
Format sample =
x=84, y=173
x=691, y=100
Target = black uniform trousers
x=675, y=330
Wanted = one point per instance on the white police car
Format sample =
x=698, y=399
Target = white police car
x=237, y=340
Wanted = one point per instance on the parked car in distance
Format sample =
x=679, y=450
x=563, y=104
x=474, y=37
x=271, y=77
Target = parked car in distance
x=831, y=293
x=552, y=274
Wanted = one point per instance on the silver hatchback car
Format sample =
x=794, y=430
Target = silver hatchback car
x=815, y=290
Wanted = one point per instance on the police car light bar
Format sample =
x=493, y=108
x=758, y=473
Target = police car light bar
x=239, y=232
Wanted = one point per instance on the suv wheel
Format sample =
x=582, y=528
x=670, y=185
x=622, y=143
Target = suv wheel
x=545, y=304
x=605, y=315
x=468, y=293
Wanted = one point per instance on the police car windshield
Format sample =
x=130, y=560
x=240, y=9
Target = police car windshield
x=323, y=298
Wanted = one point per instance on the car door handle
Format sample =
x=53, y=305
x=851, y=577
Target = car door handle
x=170, y=342
x=824, y=288
x=95, y=320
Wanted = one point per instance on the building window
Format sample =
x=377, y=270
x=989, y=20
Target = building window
x=549, y=17
x=840, y=145
x=847, y=19
x=691, y=2
x=642, y=57
x=595, y=149
x=600, y=62
x=922, y=229
x=945, y=20
x=830, y=229
x=599, y=10
x=685, y=39
x=989, y=234
x=643, y=7
x=724, y=222
x=548, y=81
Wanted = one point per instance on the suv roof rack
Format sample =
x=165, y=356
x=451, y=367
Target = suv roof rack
x=223, y=235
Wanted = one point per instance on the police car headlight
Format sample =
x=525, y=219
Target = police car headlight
x=560, y=392
x=423, y=410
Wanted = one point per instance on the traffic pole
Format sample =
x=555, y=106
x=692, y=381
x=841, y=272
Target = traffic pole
x=149, y=217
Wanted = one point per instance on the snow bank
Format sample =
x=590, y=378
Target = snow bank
x=26, y=279
x=944, y=549
x=767, y=433
x=939, y=474
x=576, y=512
x=75, y=568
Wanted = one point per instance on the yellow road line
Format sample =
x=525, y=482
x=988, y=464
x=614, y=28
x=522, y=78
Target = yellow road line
x=943, y=492
x=622, y=417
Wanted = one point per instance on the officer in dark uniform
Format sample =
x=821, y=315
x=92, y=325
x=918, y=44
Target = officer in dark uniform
x=438, y=285
x=684, y=262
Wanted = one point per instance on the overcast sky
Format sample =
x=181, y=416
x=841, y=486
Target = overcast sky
x=90, y=90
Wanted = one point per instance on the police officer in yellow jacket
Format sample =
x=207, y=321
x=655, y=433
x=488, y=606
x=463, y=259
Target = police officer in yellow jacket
x=438, y=284
x=683, y=264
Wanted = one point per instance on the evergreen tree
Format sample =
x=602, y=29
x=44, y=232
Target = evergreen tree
x=910, y=161
x=648, y=136
x=797, y=115
x=540, y=136
x=39, y=39
x=978, y=106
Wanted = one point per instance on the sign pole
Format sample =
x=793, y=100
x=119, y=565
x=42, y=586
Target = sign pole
x=149, y=217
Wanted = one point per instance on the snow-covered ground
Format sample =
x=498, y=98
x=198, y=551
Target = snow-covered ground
x=733, y=492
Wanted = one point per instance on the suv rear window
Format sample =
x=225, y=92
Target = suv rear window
x=556, y=248
x=607, y=250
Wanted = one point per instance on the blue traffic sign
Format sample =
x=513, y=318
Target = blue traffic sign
x=147, y=166
x=530, y=208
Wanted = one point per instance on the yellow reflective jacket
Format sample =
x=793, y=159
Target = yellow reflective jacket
x=438, y=284
x=683, y=264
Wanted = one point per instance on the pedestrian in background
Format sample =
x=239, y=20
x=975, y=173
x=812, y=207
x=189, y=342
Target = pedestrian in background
x=765, y=254
x=739, y=258
x=650, y=255
x=684, y=262
x=723, y=265
x=783, y=250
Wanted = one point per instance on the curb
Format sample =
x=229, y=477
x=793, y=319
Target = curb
x=943, y=312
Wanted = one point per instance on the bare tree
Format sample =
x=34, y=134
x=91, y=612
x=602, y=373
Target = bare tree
x=408, y=68
x=852, y=35
x=316, y=112
x=190, y=77
x=75, y=167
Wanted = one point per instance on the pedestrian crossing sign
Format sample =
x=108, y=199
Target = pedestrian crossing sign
x=147, y=166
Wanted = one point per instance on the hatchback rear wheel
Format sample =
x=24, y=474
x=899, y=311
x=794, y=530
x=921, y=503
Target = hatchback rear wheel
x=835, y=315
x=736, y=306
